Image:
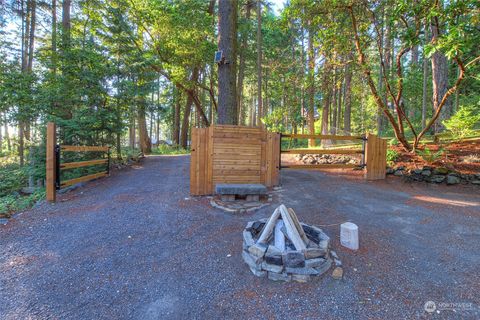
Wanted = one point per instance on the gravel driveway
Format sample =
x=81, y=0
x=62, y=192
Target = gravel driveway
x=137, y=246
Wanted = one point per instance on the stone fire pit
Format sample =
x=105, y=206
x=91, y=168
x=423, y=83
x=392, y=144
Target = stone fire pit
x=283, y=249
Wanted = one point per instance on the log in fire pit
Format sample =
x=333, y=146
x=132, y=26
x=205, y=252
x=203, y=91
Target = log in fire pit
x=284, y=249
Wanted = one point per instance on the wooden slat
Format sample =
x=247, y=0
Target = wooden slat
x=51, y=162
x=321, y=136
x=376, y=158
x=240, y=157
x=209, y=173
x=83, y=148
x=84, y=178
x=323, y=151
x=79, y=164
x=320, y=166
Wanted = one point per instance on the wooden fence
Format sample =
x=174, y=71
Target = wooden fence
x=54, y=165
x=373, y=151
x=233, y=154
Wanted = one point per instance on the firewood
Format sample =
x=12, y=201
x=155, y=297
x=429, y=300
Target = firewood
x=292, y=231
x=298, y=226
x=279, y=236
x=267, y=230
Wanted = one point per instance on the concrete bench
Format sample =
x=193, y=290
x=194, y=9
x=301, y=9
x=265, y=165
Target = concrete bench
x=228, y=191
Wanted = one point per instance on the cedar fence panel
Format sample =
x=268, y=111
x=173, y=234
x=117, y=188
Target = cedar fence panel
x=232, y=154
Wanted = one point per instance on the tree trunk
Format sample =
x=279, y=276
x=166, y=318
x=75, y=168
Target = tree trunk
x=241, y=66
x=66, y=24
x=131, y=132
x=145, y=143
x=424, y=84
x=54, y=37
x=186, y=122
x=227, y=42
x=176, y=119
x=348, y=100
x=439, y=81
x=311, y=86
x=333, y=123
x=260, y=112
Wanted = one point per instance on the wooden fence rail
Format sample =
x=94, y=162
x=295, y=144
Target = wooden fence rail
x=54, y=165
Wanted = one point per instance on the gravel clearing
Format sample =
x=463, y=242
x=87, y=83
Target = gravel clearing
x=137, y=246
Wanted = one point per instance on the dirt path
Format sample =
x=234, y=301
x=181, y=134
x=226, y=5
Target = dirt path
x=137, y=246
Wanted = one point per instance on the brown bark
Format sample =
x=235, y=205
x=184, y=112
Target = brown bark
x=54, y=37
x=439, y=80
x=348, y=100
x=131, y=133
x=242, y=64
x=144, y=139
x=327, y=93
x=186, y=122
x=311, y=87
x=176, y=120
x=259, y=62
x=227, y=42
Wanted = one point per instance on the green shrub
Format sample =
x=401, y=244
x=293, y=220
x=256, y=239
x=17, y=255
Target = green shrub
x=169, y=150
x=464, y=121
x=392, y=156
x=16, y=202
x=429, y=156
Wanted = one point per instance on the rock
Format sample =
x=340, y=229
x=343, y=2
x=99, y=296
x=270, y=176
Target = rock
x=323, y=244
x=309, y=271
x=273, y=251
x=437, y=178
x=247, y=239
x=275, y=260
x=279, y=276
x=417, y=171
x=28, y=190
x=312, y=253
x=440, y=171
x=271, y=267
x=337, y=273
x=301, y=277
x=3, y=221
x=338, y=263
x=258, y=273
x=400, y=168
x=426, y=173
x=475, y=182
x=427, y=168
x=294, y=259
x=324, y=267
x=334, y=254
x=451, y=179
x=312, y=263
x=273, y=256
x=398, y=173
x=252, y=262
x=258, y=250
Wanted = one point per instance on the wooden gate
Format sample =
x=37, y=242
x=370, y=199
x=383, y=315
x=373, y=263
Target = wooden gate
x=373, y=151
x=233, y=154
x=54, y=166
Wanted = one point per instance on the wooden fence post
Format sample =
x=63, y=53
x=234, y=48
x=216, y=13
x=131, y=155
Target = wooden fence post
x=51, y=161
x=376, y=157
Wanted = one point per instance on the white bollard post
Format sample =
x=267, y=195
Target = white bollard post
x=349, y=235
